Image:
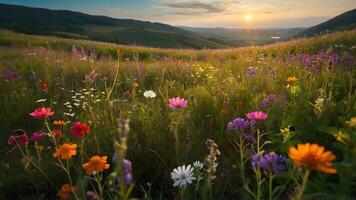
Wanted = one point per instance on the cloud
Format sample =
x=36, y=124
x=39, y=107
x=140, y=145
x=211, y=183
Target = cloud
x=194, y=7
x=205, y=7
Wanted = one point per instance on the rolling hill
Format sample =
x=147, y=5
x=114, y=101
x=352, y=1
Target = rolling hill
x=345, y=21
x=78, y=25
x=244, y=36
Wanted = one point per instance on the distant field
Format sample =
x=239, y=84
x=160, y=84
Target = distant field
x=94, y=120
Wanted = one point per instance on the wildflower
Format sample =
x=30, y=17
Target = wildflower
x=66, y=151
x=65, y=191
x=198, y=165
x=177, y=103
x=96, y=164
x=11, y=75
x=341, y=137
x=57, y=133
x=182, y=176
x=127, y=167
x=238, y=124
x=135, y=85
x=291, y=79
x=256, y=116
x=313, y=156
x=250, y=71
x=351, y=123
x=42, y=112
x=79, y=130
x=91, y=76
x=149, y=94
x=91, y=195
x=59, y=123
x=44, y=85
x=18, y=139
x=41, y=100
x=38, y=136
x=249, y=138
x=270, y=163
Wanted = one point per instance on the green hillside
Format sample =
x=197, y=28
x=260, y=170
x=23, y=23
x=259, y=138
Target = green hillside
x=70, y=24
x=345, y=21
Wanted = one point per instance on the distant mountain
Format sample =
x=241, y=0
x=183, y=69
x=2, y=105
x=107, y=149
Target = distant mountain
x=245, y=36
x=345, y=21
x=71, y=24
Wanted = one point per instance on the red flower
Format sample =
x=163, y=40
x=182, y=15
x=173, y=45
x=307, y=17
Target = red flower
x=40, y=113
x=20, y=139
x=57, y=133
x=79, y=130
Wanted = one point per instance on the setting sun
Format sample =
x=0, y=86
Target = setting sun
x=248, y=17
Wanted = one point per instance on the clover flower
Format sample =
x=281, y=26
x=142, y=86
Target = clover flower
x=149, y=94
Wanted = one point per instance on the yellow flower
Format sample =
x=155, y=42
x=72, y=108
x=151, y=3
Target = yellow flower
x=65, y=191
x=352, y=122
x=66, y=151
x=97, y=164
x=313, y=156
x=341, y=137
x=291, y=79
x=135, y=85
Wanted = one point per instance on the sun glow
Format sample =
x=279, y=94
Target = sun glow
x=248, y=17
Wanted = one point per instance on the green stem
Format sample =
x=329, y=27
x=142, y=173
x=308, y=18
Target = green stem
x=302, y=188
x=270, y=186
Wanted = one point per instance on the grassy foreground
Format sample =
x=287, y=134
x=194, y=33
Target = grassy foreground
x=305, y=90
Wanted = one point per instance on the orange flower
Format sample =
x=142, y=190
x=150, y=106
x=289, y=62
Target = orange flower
x=65, y=191
x=66, y=151
x=97, y=164
x=59, y=123
x=313, y=156
x=291, y=79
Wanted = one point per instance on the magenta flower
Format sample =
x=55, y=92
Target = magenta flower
x=38, y=136
x=18, y=139
x=256, y=116
x=177, y=102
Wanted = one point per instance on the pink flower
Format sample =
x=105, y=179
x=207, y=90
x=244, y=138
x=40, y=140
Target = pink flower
x=20, y=139
x=177, y=102
x=79, y=130
x=258, y=115
x=40, y=113
x=38, y=136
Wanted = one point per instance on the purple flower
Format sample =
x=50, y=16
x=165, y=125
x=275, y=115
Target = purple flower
x=38, y=136
x=91, y=195
x=271, y=97
x=249, y=138
x=127, y=167
x=250, y=71
x=256, y=116
x=264, y=103
x=270, y=163
x=11, y=75
x=238, y=124
x=177, y=103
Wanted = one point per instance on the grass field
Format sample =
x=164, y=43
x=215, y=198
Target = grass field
x=305, y=90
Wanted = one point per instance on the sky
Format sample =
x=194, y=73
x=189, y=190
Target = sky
x=207, y=13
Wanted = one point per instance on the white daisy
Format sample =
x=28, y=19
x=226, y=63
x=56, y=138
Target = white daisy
x=199, y=165
x=183, y=176
x=149, y=94
x=41, y=100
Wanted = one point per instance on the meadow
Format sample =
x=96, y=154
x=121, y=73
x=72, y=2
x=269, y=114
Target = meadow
x=92, y=120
